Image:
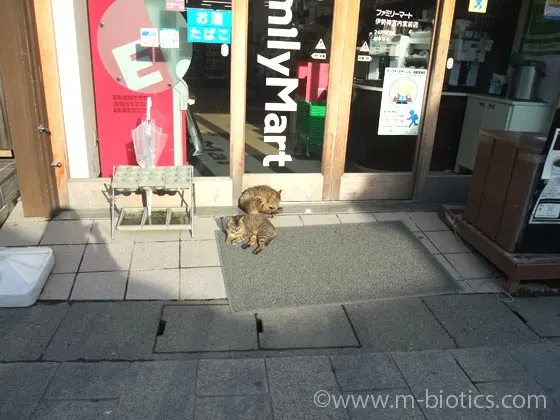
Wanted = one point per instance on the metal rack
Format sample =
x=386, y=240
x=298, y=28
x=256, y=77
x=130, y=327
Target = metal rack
x=166, y=179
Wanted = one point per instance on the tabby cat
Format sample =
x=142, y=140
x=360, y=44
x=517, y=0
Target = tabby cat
x=256, y=229
x=261, y=199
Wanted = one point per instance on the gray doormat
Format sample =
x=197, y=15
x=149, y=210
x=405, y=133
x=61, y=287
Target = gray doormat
x=332, y=264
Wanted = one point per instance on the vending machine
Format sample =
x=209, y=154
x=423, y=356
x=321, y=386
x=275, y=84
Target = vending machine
x=131, y=64
x=542, y=228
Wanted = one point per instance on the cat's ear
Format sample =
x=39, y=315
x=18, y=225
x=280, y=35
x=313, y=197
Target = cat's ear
x=279, y=192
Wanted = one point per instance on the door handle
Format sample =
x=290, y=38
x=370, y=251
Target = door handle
x=481, y=104
x=491, y=106
x=56, y=164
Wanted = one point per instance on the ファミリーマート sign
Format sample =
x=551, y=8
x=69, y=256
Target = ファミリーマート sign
x=401, y=101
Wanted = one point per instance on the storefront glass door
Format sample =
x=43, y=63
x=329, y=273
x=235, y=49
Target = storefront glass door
x=287, y=83
x=391, y=71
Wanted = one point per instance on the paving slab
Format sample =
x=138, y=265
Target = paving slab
x=197, y=328
x=154, y=256
x=204, y=229
x=519, y=400
x=488, y=364
x=153, y=284
x=543, y=363
x=287, y=221
x=101, y=233
x=541, y=313
x=58, y=287
x=107, y=257
x=158, y=390
x=231, y=377
x=488, y=285
x=431, y=374
x=88, y=381
x=366, y=372
x=294, y=384
x=67, y=232
x=199, y=254
x=306, y=328
x=105, y=331
x=479, y=320
x=22, y=233
x=398, y=216
x=73, y=410
x=253, y=407
x=449, y=268
x=356, y=217
x=108, y=285
x=26, y=332
x=397, y=325
x=155, y=236
x=202, y=283
x=21, y=387
x=428, y=221
x=391, y=404
x=446, y=242
x=471, y=266
x=426, y=242
x=67, y=258
x=319, y=219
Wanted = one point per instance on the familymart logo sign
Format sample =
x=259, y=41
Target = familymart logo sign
x=280, y=36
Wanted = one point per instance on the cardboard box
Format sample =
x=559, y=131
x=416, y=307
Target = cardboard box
x=504, y=178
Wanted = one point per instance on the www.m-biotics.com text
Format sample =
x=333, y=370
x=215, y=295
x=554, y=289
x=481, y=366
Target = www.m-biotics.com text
x=430, y=401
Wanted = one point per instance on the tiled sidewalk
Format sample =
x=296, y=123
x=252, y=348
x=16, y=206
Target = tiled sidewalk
x=173, y=266
x=386, y=386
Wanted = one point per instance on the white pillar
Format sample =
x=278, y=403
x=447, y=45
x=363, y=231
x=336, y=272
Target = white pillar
x=71, y=27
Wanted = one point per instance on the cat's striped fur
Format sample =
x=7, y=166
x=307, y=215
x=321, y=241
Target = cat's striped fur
x=256, y=229
x=261, y=199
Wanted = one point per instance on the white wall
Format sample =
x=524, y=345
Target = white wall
x=76, y=84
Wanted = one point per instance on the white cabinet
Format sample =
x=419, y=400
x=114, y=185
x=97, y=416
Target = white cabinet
x=489, y=113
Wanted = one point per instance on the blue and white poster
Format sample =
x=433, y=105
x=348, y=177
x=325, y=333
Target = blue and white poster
x=401, y=101
x=209, y=26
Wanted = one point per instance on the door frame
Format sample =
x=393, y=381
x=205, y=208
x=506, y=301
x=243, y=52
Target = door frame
x=21, y=68
x=333, y=182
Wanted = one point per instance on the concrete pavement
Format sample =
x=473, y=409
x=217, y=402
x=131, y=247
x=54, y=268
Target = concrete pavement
x=167, y=360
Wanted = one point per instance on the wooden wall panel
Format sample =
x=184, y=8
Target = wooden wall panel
x=51, y=85
x=434, y=89
x=238, y=94
x=341, y=77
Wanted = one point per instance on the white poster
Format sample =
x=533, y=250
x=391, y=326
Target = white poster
x=169, y=37
x=149, y=37
x=401, y=102
x=552, y=163
x=547, y=210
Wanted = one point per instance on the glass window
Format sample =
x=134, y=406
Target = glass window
x=208, y=124
x=481, y=48
x=287, y=82
x=392, y=54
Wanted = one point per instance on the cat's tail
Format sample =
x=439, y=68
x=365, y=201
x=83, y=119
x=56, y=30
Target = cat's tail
x=224, y=230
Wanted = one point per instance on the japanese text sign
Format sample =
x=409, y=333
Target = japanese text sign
x=209, y=18
x=175, y=5
x=209, y=26
x=393, y=14
x=208, y=35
